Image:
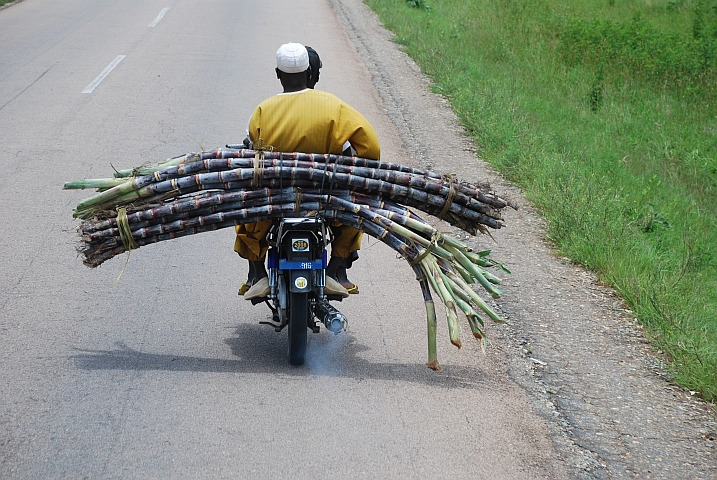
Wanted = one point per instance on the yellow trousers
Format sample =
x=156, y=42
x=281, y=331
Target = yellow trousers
x=251, y=241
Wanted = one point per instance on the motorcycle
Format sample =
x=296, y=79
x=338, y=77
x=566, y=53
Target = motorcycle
x=296, y=264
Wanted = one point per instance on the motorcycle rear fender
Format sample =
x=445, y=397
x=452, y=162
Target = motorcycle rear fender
x=300, y=281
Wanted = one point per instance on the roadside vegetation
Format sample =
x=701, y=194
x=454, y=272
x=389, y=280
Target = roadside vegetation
x=605, y=113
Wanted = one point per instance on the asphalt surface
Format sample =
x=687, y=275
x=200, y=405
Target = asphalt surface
x=169, y=375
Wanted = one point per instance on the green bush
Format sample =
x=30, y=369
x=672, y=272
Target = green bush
x=637, y=49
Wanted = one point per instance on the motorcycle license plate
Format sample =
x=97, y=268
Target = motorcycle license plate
x=285, y=264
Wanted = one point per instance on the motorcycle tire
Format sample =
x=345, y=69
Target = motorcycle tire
x=298, y=327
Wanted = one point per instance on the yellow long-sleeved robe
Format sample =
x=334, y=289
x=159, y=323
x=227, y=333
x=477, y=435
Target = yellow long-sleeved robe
x=309, y=121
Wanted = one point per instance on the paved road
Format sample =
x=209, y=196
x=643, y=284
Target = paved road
x=169, y=375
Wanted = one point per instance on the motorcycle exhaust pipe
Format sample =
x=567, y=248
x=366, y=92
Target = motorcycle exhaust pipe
x=333, y=320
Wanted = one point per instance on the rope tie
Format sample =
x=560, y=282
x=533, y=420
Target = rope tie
x=297, y=205
x=259, y=148
x=322, y=207
x=436, y=239
x=419, y=258
x=450, y=178
x=258, y=163
x=125, y=233
x=135, y=172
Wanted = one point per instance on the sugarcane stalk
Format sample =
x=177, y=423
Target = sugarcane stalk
x=475, y=322
x=461, y=299
x=464, y=297
x=457, y=292
x=435, y=180
x=432, y=327
x=381, y=203
x=386, y=176
x=108, y=195
x=306, y=157
x=93, y=183
x=148, y=170
x=431, y=270
x=463, y=272
x=432, y=275
x=366, y=212
x=467, y=189
x=96, y=254
x=196, y=206
x=424, y=276
x=490, y=277
x=471, y=268
x=477, y=300
x=455, y=288
x=470, y=314
x=431, y=321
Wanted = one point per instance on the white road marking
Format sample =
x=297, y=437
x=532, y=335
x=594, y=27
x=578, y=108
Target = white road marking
x=159, y=17
x=105, y=72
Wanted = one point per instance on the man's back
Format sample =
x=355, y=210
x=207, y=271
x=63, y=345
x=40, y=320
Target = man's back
x=312, y=121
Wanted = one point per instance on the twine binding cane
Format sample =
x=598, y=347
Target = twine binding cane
x=450, y=178
x=436, y=239
x=260, y=148
x=125, y=234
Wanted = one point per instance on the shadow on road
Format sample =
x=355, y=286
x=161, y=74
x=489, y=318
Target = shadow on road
x=260, y=350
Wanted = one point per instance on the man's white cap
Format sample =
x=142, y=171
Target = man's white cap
x=292, y=58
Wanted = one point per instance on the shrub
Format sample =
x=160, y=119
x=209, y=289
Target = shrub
x=636, y=49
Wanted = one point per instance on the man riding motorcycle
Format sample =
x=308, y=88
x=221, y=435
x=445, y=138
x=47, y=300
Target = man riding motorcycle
x=311, y=121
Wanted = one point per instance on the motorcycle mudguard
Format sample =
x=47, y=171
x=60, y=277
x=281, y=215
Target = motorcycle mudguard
x=300, y=281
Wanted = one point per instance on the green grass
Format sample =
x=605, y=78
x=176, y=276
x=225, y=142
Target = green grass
x=605, y=113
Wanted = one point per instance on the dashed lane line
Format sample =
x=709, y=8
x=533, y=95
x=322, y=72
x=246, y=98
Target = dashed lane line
x=159, y=17
x=89, y=88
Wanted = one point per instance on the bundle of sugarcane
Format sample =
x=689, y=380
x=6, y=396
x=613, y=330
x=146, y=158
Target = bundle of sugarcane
x=222, y=188
x=462, y=204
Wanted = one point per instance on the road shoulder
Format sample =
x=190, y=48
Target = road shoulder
x=569, y=342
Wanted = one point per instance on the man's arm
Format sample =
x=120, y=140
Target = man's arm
x=359, y=132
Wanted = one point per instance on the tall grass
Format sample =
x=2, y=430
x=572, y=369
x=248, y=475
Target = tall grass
x=605, y=113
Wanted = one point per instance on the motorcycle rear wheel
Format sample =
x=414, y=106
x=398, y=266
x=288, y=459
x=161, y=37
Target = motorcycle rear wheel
x=298, y=327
